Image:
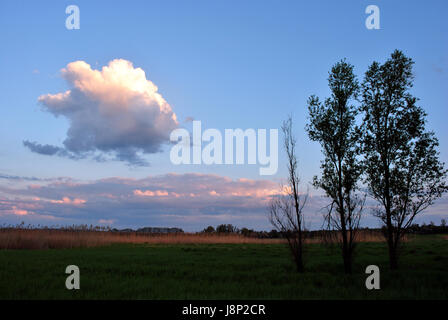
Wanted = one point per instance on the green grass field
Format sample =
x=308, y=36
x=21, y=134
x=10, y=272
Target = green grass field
x=218, y=271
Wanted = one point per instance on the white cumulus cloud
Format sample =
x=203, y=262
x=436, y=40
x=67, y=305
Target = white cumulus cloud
x=113, y=111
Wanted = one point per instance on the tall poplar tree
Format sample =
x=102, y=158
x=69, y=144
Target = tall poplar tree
x=332, y=124
x=403, y=171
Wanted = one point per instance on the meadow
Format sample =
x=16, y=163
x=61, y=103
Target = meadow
x=213, y=270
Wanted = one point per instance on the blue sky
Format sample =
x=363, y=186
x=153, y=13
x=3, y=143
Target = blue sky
x=230, y=64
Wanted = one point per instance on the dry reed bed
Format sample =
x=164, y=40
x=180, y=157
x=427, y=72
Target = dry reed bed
x=18, y=238
x=53, y=239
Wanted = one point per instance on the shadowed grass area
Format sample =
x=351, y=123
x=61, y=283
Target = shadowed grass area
x=223, y=271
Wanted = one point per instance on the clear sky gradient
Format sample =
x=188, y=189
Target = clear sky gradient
x=230, y=64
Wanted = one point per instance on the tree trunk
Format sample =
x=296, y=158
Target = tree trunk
x=298, y=259
x=393, y=254
x=347, y=261
x=299, y=263
x=346, y=254
x=393, y=259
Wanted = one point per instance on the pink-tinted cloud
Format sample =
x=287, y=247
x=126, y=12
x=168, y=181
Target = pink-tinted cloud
x=149, y=193
x=20, y=212
x=67, y=200
x=106, y=221
x=154, y=200
x=190, y=201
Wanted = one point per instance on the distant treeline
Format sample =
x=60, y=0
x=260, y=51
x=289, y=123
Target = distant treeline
x=151, y=230
x=430, y=228
x=274, y=234
x=92, y=228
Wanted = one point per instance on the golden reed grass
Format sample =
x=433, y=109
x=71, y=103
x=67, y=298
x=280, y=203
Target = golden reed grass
x=52, y=239
x=35, y=239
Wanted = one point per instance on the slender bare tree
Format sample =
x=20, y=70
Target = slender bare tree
x=286, y=209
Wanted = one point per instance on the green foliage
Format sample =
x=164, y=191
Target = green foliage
x=403, y=172
x=226, y=228
x=332, y=124
x=209, y=229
